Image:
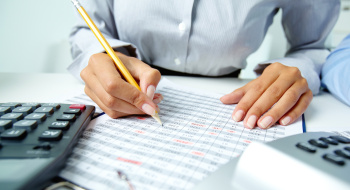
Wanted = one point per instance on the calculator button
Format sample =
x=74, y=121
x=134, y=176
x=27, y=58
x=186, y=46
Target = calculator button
x=12, y=116
x=34, y=105
x=318, y=143
x=306, y=147
x=53, y=105
x=334, y=159
x=24, y=110
x=73, y=111
x=66, y=117
x=341, y=139
x=5, y=110
x=347, y=148
x=12, y=105
x=5, y=124
x=39, y=117
x=47, y=110
x=329, y=140
x=62, y=125
x=51, y=135
x=78, y=106
x=29, y=125
x=14, y=134
x=343, y=153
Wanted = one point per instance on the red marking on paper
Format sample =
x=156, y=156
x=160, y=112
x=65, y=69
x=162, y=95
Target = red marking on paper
x=246, y=141
x=230, y=131
x=196, y=124
x=182, y=141
x=211, y=133
x=217, y=128
x=129, y=161
x=139, y=131
x=197, y=153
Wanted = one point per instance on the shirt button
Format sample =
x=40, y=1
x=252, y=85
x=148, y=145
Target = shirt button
x=177, y=61
x=182, y=26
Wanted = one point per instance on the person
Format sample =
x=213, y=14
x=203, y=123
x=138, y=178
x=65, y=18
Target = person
x=336, y=72
x=204, y=38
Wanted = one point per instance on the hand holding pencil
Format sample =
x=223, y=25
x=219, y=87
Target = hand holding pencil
x=105, y=78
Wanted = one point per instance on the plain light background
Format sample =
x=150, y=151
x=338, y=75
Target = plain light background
x=34, y=36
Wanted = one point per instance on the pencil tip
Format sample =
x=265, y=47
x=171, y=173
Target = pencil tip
x=156, y=117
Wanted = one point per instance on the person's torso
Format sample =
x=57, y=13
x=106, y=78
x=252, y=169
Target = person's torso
x=207, y=37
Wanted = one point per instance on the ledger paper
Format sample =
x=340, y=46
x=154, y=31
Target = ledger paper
x=198, y=136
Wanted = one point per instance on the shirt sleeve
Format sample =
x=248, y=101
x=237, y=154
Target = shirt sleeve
x=336, y=72
x=84, y=43
x=306, y=25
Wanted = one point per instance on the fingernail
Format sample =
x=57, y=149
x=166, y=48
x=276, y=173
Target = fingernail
x=286, y=120
x=157, y=100
x=266, y=122
x=150, y=91
x=251, y=122
x=238, y=115
x=148, y=109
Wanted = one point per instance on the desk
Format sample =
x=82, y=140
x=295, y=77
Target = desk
x=324, y=113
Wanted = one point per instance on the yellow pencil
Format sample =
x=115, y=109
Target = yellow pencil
x=124, y=71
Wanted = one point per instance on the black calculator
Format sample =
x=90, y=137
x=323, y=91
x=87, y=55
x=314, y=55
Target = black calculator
x=36, y=139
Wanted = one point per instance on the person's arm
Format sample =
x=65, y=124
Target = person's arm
x=103, y=83
x=282, y=92
x=307, y=25
x=83, y=42
x=336, y=72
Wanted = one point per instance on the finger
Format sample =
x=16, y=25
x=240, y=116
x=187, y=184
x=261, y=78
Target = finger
x=287, y=101
x=254, y=90
x=157, y=98
x=298, y=109
x=147, y=76
x=111, y=113
x=233, y=97
x=107, y=100
x=272, y=95
x=114, y=85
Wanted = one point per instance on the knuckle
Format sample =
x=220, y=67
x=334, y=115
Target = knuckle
x=274, y=66
x=153, y=73
x=93, y=58
x=137, y=99
x=109, y=101
x=83, y=73
x=309, y=97
x=303, y=82
x=274, y=91
x=111, y=86
x=294, y=71
x=293, y=96
x=258, y=88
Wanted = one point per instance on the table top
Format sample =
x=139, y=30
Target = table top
x=325, y=112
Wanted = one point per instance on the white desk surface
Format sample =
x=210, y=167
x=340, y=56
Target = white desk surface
x=325, y=113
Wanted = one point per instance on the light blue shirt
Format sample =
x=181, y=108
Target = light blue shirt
x=336, y=72
x=206, y=37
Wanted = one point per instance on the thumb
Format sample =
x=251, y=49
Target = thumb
x=233, y=97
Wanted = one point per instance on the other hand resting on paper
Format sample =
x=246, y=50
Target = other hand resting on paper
x=115, y=96
x=280, y=94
